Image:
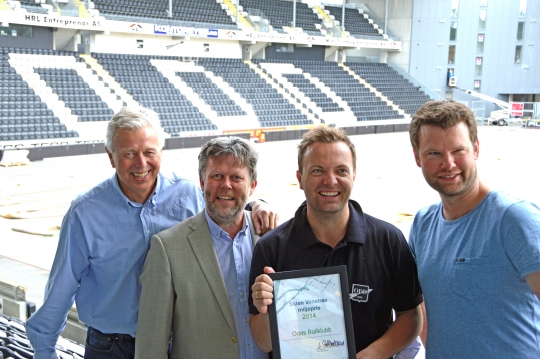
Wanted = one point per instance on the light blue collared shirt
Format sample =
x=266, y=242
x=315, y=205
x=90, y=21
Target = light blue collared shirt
x=101, y=250
x=234, y=257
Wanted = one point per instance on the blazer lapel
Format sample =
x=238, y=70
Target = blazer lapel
x=203, y=248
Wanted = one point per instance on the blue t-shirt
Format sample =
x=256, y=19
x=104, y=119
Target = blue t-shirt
x=472, y=275
x=102, y=246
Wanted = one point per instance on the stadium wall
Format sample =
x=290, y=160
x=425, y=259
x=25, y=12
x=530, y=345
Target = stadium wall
x=38, y=153
x=501, y=74
x=399, y=23
x=315, y=53
x=157, y=45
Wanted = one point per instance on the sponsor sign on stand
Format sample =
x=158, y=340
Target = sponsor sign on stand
x=102, y=24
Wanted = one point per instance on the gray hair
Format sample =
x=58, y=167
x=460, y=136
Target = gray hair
x=133, y=118
x=242, y=151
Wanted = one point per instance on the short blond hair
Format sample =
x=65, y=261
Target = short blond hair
x=327, y=135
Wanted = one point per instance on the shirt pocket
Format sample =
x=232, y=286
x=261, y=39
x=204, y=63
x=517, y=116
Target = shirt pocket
x=473, y=278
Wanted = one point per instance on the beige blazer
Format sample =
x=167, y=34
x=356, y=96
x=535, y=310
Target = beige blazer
x=183, y=291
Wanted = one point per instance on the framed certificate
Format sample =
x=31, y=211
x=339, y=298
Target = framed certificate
x=310, y=316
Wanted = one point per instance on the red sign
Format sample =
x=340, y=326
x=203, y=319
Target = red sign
x=517, y=109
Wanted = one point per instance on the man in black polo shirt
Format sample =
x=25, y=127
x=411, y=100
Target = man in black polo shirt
x=329, y=229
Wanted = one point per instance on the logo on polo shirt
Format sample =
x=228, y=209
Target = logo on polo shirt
x=360, y=293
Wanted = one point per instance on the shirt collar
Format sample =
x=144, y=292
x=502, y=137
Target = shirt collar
x=157, y=190
x=217, y=232
x=356, y=227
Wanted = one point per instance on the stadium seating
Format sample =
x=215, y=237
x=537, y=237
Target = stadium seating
x=211, y=94
x=279, y=13
x=315, y=94
x=76, y=94
x=24, y=116
x=202, y=11
x=151, y=89
x=365, y=104
x=269, y=106
x=391, y=84
x=32, y=6
x=355, y=23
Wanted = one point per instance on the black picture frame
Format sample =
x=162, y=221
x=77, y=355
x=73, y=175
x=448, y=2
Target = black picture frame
x=346, y=305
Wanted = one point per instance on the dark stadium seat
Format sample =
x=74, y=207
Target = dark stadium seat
x=201, y=11
x=76, y=94
x=280, y=13
x=264, y=99
x=211, y=94
x=20, y=105
x=151, y=89
x=391, y=84
x=355, y=23
x=364, y=103
x=314, y=93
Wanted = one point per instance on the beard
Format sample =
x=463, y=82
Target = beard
x=224, y=216
x=468, y=182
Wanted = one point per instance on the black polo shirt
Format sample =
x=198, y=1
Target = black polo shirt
x=378, y=260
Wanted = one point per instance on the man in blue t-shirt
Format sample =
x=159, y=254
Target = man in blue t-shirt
x=477, y=252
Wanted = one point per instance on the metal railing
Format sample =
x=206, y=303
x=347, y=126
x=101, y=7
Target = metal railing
x=12, y=291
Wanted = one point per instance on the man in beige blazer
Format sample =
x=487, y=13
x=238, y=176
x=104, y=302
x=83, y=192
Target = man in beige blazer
x=196, y=276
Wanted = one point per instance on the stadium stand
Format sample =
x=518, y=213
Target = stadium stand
x=364, y=103
x=314, y=93
x=211, y=94
x=151, y=89
x=24, y=116
x=76, y=94
x=279, y=13
x=269, y=105
x=15, y=344
x=202, y=11
x=355, y=23
x=32, y=6
x=385, y=79
x=215, y=95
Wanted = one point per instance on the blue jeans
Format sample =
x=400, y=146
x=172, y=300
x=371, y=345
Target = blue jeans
x=108, y=346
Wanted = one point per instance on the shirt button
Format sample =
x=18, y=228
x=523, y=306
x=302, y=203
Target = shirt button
x=246, y=320
x=249, y=346
x=233, y=339
x=242, y=294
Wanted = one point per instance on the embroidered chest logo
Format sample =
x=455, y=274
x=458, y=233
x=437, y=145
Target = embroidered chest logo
x=360, y=293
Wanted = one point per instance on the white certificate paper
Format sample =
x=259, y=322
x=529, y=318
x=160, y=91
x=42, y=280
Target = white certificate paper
x=310, y=314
